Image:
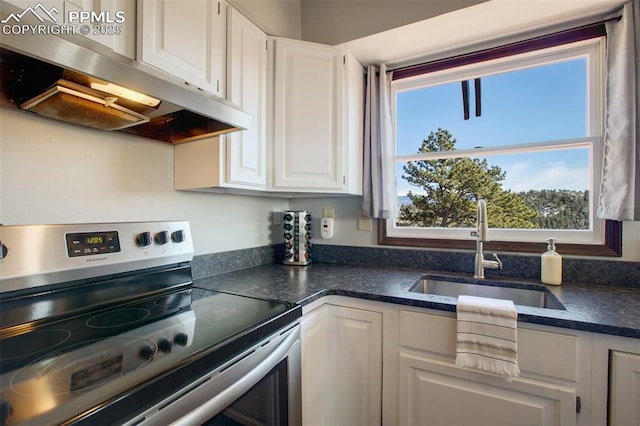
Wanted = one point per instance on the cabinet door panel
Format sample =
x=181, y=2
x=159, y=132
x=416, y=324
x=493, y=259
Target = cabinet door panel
x=308, y=139
x=247, y=63
x=624, y=389
x=113, y=23
x=314, y=367
x=355, y=365
x=436, y=393
x=437, y=335
x=186, y=40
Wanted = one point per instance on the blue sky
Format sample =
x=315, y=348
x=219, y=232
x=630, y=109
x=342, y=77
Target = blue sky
x=543, y=103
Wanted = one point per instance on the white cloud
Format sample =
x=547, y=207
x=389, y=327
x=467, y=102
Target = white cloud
x=522, y=176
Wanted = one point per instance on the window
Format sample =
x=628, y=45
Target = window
x=523, y=132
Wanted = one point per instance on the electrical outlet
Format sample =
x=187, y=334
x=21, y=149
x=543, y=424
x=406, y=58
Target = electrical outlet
x=328, y=213
x=365, y=223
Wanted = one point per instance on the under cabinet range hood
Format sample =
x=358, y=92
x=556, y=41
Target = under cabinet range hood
x=55, y=78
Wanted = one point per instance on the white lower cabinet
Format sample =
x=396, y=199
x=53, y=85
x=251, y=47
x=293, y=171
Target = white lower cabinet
x=314, y=366
x=435, y=392
x=568, y=377
x=616, y=380
x=341, y=366
x=624, y=389
x=355, y=366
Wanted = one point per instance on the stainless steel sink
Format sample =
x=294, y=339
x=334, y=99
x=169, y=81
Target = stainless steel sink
x=539, y=297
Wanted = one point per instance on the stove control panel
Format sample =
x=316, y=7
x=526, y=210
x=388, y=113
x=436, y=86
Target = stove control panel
x=90, y=243
x=73, y=252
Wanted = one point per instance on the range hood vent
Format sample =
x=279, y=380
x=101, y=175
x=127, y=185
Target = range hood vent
x=55, y=78
x=73, y=103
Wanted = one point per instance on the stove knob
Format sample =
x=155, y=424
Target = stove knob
x=4, y=250
x=177, y=236
x=147, y=353
x=6, y=410
x=143, y=239
x=162, y=238
x=165, y=345
x=181, y=339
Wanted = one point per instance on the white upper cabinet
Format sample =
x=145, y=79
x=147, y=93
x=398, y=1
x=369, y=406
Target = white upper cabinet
x=186, y=39
x=118, y=29
x=317, y=127
x=237, y=160
x=111, y=23
x=247, y=88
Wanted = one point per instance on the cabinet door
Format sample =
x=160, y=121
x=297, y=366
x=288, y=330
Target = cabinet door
x=624, y=389
x=119, y=35
x=314, y=366
x=354, y=391
x=246, y=151
x=186, y=39
x=111, y=23
x=341, y=366
x=308, y=113
x=434, y=392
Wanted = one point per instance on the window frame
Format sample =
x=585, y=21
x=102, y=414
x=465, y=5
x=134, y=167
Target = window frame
x=605, y=238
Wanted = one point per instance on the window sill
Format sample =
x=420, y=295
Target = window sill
x=612, y=246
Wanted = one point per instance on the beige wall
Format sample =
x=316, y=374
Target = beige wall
x=337, y=21
x=275, y=17
x=52, y=172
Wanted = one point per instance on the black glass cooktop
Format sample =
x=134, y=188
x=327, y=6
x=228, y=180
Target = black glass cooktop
x=78, y=363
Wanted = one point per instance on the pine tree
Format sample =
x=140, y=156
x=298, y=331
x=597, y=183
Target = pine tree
x=452, y=187
x=559, y=208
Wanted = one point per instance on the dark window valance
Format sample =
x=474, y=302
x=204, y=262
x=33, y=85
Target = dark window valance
x=541, y=42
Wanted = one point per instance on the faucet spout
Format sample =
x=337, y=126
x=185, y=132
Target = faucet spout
x=482, y=235
x=483, y=225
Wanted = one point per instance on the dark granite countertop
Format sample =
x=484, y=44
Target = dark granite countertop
x=602, y=309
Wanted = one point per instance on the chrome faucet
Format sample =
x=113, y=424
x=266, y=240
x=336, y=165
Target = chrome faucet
x=482, y=234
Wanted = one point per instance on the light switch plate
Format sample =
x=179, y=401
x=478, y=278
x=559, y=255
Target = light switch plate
x=326, y=212
x=365, y=223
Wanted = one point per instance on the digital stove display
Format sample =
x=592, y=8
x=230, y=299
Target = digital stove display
x=92, y=243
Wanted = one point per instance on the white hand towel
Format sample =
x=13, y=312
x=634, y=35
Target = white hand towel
x=487, y=335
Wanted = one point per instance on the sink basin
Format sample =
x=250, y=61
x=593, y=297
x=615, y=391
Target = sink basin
x=539, y=297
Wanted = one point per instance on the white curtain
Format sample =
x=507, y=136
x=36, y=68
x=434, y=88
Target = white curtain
x=620, y=190
x=379, y=188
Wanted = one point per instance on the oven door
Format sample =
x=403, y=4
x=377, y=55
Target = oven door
x=260, y=386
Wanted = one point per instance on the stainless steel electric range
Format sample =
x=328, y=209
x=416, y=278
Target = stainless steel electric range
x=100, y=324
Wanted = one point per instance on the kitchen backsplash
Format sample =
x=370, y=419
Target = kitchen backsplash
x=208, y=265
x=587, y=271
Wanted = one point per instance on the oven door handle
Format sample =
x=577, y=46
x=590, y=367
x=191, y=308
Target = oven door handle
x=222, y=398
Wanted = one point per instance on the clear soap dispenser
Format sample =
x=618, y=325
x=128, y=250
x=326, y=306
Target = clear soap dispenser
x=551, y=264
